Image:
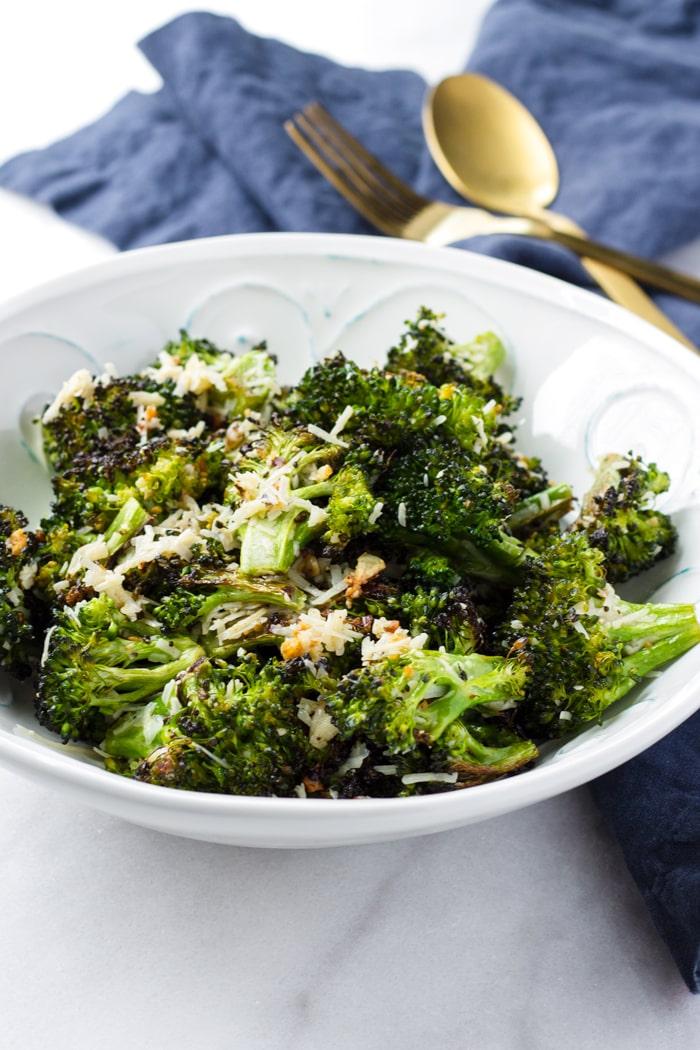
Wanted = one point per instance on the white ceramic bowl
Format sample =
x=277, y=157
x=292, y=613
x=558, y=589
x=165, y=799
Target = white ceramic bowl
x=593, y=379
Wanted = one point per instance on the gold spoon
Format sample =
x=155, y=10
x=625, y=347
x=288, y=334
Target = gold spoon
x=491, y=150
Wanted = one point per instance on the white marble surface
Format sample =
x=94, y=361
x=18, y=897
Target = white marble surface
x=524, y=932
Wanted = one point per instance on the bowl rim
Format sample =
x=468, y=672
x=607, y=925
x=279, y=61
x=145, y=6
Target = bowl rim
x=21, y=754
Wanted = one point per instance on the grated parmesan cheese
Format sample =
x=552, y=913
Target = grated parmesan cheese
x=326, y=435
x=312, y=634
x=195, y=377
x=80, y=385
x=314, y=715
x=355, y=759
x=392, y=640
x=429, y=778
x=376, y=513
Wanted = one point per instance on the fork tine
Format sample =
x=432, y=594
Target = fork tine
x=370, y=187
x=313, y=146
x=363, y=162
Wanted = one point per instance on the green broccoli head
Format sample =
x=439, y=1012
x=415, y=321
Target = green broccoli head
x=352, y=509
x=93, y=416
x=437, y=497
x=365, y=407
x=19, y=640
x=450, y=619
x=619, y=517
x=91, y=493
x=585, y=646
x=444, y=610
x=425, y=348
x=222, y=729
x=97, y=661
x=289, y=487
x=228, y=609
x=426, y=713
x=225, y=386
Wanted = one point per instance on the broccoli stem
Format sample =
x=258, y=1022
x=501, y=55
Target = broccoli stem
x=469, y=681
x=474, y=760
x=497, y=561
x=653, y=634
x=272, y=544
x=130, y=519
x=128, y=685
x=549, y=504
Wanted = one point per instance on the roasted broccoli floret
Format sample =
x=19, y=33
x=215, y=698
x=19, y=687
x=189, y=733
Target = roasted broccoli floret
x=95, y=415
x=586, y=646
x=289, y=487
x=383, y=410
x=159, y=474
x=365, y=407
x=226, y=386
x=435, y=496
x=449, y=619
x=431, y=600
x=352, y=509
x=425, y=347
x=56, y=579
x=97, y=662
x=618, y=516
x=228, y=609
x=428, y=713
x=218, y=728
x=192, y=386
x=18, y=638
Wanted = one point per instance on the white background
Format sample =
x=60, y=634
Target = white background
x=523, y=933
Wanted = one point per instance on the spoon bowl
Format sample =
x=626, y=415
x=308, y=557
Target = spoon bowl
x=492, y=151
x=488, y=145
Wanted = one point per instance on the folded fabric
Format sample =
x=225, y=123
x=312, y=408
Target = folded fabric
x=615, y=83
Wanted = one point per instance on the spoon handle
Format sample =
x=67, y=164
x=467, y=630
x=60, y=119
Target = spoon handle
x=625, y=291
x=606, y=266
x=650, y=273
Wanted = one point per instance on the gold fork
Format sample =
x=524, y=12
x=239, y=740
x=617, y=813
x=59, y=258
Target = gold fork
x=397, y=210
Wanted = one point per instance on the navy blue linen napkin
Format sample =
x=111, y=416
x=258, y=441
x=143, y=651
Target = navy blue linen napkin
x=616, y=85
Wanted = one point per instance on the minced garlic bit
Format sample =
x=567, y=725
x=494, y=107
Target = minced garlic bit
x=16, y=542
x=239, y=431
x=322, y=473
x=368, y=566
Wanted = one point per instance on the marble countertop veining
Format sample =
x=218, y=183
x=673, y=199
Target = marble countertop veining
x=524, y=932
